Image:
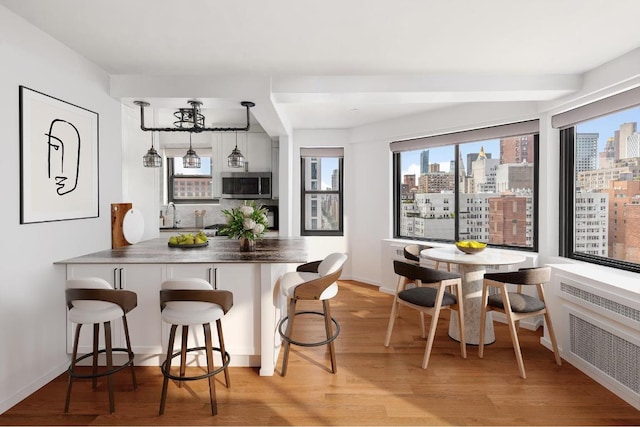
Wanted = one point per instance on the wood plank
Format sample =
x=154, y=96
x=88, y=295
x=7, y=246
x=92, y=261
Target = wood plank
x=374, y=385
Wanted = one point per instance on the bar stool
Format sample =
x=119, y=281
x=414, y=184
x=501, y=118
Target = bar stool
x=187, y=302
x=312, y=281
x=93, y=301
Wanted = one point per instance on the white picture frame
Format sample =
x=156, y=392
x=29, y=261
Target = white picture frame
x=58, y=159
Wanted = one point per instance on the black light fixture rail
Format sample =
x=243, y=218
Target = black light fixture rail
x=192, y=125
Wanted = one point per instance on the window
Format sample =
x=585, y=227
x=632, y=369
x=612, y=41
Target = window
x=189, y=185
x=321, y=174
x=600, y=173
x=475, y=185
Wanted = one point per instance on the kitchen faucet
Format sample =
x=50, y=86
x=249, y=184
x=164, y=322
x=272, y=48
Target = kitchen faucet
x=175, y=220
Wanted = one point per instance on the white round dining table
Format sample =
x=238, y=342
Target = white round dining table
x=472, y=268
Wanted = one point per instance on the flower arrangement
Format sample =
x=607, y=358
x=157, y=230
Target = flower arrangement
x=247, y=221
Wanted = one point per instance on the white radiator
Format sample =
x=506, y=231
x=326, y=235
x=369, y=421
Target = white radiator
x=599, y=333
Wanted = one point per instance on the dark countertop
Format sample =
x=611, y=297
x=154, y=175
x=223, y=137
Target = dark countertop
x=220, y=249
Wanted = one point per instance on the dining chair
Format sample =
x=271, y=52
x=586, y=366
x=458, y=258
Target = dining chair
x=517, y=305
x=429, y=296
x=412, y=253
x=313, y=281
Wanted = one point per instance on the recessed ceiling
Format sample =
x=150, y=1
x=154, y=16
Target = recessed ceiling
x=344, y=64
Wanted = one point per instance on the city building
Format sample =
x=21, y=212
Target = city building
x=624, y=227
x=592, y=222
x=623, y=134
x=484, y=173
x=607, y=157
x=510, y=219
x=424, y=162
x=586, y=151
x=517, y=149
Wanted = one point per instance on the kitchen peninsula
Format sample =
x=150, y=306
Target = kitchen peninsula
x=250, y=326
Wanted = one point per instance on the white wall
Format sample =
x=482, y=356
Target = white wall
x=32, y=304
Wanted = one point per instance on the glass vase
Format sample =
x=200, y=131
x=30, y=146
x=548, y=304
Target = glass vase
x=247, y=245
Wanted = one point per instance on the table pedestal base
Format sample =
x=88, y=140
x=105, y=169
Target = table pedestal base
x=472, y=276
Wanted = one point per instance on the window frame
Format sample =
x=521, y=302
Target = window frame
x=304, y=192
x=170, y=185
x=566, y=214
x=458, y=195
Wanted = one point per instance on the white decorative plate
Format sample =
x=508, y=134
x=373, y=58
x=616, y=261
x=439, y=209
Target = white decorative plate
x=133, y=226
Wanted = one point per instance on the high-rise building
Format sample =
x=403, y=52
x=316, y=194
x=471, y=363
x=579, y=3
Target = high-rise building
x=335, y=180
x=409, y=180
x=633, y=145
x=517, y=149
x=586, y=151
x=471, y=157
x=608, y=156
x=626, y=130
x=624, y=204
x=591, y=229
x=484, y=173
x=424, y=162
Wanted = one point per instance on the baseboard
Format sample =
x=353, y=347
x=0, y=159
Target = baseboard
x=31, y=388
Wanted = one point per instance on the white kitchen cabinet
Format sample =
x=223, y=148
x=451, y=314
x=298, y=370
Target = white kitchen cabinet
x=254, y=146
x=258, y=152
x=144, y=320
x=240, y=324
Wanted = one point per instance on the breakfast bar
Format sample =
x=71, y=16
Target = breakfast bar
x=252, y=277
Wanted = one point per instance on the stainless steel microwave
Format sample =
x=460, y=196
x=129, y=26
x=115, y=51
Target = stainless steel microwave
x=246, y=185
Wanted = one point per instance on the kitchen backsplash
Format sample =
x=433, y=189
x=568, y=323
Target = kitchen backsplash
x=186, y=213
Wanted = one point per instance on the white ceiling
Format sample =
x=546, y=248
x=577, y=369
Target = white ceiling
x=347, y=63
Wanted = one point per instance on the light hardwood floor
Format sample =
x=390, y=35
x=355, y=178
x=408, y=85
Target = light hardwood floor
x=374, y=385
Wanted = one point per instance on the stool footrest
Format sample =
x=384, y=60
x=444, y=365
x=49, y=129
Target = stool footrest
x=226, y=358
x=103, y=373
x=308, y=344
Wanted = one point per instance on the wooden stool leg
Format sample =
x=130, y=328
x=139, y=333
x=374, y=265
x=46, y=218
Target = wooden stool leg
x=129, y=351
x=210, y=368
x=329, y=329
x=96, y=332
x=107, y=341
x=167, y=367
x=183, y=352
x=74, y=356
x=291, y=313
x=223, y=351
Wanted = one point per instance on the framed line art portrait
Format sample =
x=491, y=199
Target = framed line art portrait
x=58, y=159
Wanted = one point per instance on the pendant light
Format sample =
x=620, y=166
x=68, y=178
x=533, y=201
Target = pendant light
x=236, y=159
x=152, y=159
x=191, y=159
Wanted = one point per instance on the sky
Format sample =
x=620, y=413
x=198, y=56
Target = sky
x=605, y=126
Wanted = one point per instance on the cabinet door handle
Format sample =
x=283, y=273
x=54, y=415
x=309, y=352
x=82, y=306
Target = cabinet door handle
x=211, y=276
x=120, y=274
x=215, y=278
x=115, y=278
